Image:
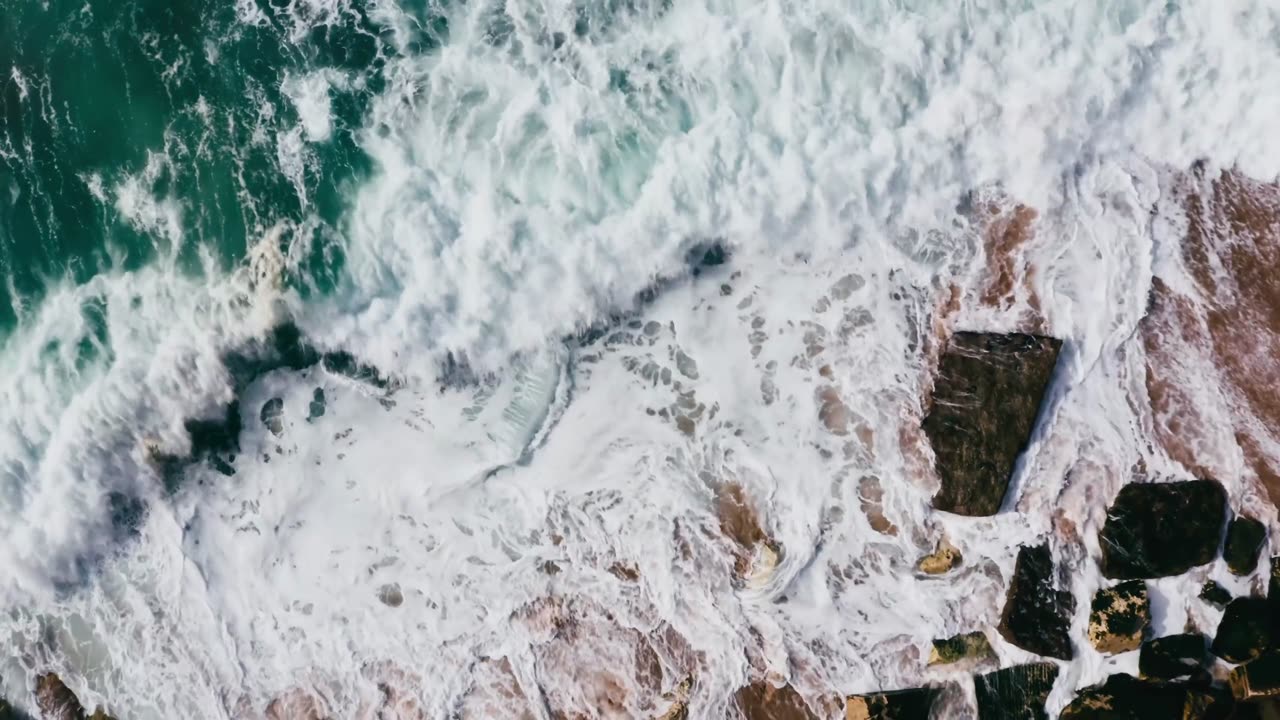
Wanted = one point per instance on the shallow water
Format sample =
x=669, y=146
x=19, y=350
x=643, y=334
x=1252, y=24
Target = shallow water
x=578, y=493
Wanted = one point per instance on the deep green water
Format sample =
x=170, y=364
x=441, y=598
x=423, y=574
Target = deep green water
x=91, y=93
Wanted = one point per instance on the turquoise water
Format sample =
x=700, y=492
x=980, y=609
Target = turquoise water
x=185, y=100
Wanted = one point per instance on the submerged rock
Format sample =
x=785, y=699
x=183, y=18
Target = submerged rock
x=1036, y=615
x=914, y=704
x=1119, y=617
x=1173, y=656
x=272, y=416
x=1015, y=693
x=764, y=701
x=1215, y=594
x=1244, y=631
x=986, y=398
x=1245, y=536
x=1124, y=697
x=1159, y=529
x=969, y=646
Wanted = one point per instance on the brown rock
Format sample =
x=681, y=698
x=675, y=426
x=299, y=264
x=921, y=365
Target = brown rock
x=986, y=398
x=55, y=699
x=762, y=700
x=1258, y=678
x=913, y=704
x=941, y=560
x=969, y=646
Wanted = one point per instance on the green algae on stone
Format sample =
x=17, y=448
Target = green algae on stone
x=971, y=645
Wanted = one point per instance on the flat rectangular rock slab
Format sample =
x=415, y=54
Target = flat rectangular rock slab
x=1156, y=530
x=986, y=398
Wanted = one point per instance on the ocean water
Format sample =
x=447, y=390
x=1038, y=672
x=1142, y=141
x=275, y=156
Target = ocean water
x=627, y=311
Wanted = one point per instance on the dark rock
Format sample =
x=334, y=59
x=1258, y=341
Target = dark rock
x=317, y=407
x=1173, y=656
x=1119, y=617
x=1273, y=600
x=1245, y=536
x=764, y=701
x=1244, y=631
x=1160, y=529
x=1215, y=594
x=272, y=415
x=1036, y=616
x=968, y=646
x=1258, y=678
x=1015, y=693
x=914, y=704
x=985, y=401
x=1124, y=697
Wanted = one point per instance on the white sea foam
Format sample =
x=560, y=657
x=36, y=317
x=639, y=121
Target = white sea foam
x=523, y=185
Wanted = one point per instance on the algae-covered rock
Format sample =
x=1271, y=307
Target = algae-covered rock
x=1244, y=631
x=969, y=646
x=1124, y=697
x=1258, y=678
x=986, y=398
x=1173, y=656
x=1245, y=536
x=941, y=560
x=1036, y=615
x=1119, y=617
x=1159, y=529
x=913, y=704
x=1015, y=693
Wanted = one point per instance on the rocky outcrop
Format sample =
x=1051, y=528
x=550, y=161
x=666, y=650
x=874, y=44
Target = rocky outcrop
x=1124, y=697
x=1119, y=617
x=1159, y=529
x=1173, y=656
x=969, y=646
x=1036, y=615
x=914, y=704
x=56, y=701
x=272, y=415
x=764, y=701
x=1245, y=536
x=1015, y=693
x=986, y=398
x=1244, y=631
x=1259, y=678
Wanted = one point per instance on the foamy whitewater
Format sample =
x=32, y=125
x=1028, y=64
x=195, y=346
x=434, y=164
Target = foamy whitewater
x=414, y=550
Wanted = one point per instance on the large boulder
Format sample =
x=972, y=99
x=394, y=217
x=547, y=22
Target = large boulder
x=1173, y=656
x=1159, y=529
x=1119, y=617
x=1258, y=678
x=1245, y=536
x=1244, y=631
x=1015, y=693
x=1124, y=697
x=986, y=397
x=1036, y=615
x=913, y=704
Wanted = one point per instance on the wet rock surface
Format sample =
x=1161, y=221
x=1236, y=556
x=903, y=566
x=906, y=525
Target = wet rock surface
x=1259, y=678
x=1244, y=631
x=1215, y=594
x=1124, y=697
x=1036, y=615
x=1015, y=693
x=56, y=701
x=986, y=399
x=272, y=416
x=764, y=701
x=1245, y=536
x=945, y=557
x=1119, y=617
x=1159, y=529
x=913, y=704
x=969, y=646
x=1173, y=656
